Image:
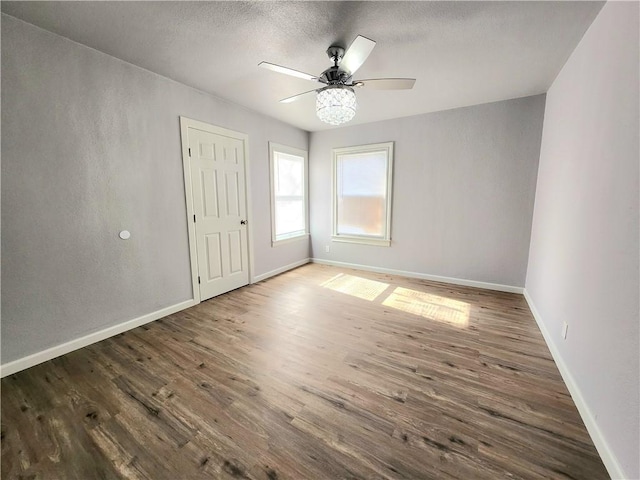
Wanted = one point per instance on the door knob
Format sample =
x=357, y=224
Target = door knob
x=243, y=222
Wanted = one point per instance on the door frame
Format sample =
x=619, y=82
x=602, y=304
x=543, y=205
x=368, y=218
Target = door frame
x=185, y=124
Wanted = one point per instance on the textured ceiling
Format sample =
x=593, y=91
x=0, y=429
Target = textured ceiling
x=461, y=53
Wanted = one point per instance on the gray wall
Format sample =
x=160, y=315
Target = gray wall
x=91, y=146
x=583, y=263
x=463, y=193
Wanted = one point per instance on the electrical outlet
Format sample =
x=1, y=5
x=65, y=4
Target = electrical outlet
x=327, y=248
x=565, y=327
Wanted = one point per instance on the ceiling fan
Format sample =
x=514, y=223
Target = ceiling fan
x=336, y=100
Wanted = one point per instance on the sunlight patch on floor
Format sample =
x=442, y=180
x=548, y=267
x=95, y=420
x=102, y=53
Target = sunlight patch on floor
x=356, y=286
x=432, y=307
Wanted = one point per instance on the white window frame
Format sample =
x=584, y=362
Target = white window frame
x=384, y=240
x=277, y=148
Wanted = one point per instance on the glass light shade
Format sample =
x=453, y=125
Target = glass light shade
x=336, y=104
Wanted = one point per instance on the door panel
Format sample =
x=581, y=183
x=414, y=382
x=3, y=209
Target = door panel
x=231, y=154
x=218, y=189
x=231, y=189
x=214, y=257
x=209, y=193
x=235, y=252
x=207, y=150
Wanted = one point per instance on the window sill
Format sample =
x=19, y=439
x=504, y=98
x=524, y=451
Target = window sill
x=275, y=243
x=380, y=242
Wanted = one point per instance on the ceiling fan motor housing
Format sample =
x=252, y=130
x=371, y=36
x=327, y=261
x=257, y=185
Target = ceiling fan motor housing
x=334, y=75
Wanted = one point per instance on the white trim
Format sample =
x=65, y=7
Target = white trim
x=606, y=454
x=302, y=236
x=423, y=276
x=185, y=124
x=295, y=152
x=362, y=240
x=387, y=148
x=278, y=271
x=64, y=348
x=247, y=196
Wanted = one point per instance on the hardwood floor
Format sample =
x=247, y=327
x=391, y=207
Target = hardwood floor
x=317, y=373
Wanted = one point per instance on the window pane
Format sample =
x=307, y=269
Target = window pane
x=289, y=216
x=289, y=174
x=363, y=174
x=361, y=216
x=289, y=203
x=361, y=194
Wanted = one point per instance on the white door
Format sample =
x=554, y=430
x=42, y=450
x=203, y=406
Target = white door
x=218, y=188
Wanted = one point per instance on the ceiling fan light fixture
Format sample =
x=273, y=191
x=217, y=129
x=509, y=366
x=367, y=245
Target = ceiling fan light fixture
x=336, y=104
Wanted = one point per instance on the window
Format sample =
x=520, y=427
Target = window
x=288, y=193
x=362, y=178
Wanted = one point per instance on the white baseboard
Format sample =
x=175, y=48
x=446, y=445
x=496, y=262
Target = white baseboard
x=53, y=352
x=607, y=456
x=278, y=271
x=423, y=276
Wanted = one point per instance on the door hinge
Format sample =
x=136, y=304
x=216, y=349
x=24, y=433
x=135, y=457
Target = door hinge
x=194, y=219
x=198, y=279
x=189, y=151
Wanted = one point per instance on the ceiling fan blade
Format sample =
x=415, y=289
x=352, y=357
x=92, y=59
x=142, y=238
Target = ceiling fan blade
x=287, y=71
x=295, y=97
x=386, y=83
x=356, y=54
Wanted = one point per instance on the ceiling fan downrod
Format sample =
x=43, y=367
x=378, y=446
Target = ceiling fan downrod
x=335, y=54
x=334, y=75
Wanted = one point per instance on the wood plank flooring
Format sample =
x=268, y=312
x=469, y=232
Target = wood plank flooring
x=318, y=373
